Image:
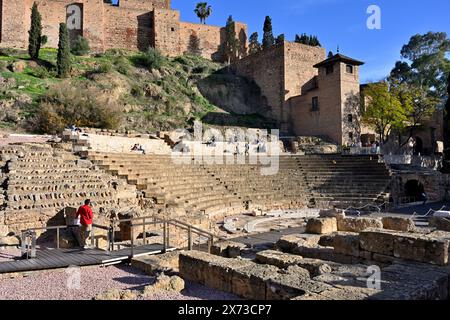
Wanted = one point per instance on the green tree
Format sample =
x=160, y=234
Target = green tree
x=231, y=45
x=308, y=40
x=203, y=11
x=280, y=39
x=383, y=110
x=35, y=33
x=447, y=123
x=63, y=62
x=426, y=64
x=80, y=47
x=254, y=45
x=268, y=39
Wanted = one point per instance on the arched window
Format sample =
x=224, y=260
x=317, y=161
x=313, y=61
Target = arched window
x=350, y=118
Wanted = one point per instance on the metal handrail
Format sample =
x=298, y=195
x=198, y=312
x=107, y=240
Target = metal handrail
x=373, y=205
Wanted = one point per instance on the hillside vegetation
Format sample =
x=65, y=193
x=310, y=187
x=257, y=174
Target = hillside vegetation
x=126, y=91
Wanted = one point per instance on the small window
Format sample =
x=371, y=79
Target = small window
x=350, y=118
x=350, y=135
x=329, y=69
x=315, y=104
x=349, y=68
x=172, y=29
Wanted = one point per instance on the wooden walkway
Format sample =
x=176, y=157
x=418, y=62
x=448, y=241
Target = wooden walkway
x=63, y=258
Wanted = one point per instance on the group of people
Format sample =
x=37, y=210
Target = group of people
x=138, y=147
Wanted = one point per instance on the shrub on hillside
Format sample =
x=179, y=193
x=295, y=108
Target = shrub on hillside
x=80, y=47
x=122, y=65
x=66, y=104
x=151, y=59
x=41, y=72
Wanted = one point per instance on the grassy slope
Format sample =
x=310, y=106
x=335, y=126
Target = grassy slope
x=161, y=99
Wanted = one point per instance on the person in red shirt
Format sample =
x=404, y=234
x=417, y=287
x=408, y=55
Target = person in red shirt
x=86, y=215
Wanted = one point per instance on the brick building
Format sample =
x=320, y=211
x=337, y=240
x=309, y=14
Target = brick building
x=132, y=24
x=308, y=94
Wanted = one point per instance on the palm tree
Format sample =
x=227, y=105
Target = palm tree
x=203, y=11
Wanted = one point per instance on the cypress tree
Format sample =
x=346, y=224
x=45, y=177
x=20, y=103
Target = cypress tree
x=63, y=60
x=447, y=128
x=35, y=33
x=254, y=45
x=268, y=39
x=231, y=42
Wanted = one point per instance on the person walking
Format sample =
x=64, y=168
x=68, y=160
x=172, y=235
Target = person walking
x=86, y=216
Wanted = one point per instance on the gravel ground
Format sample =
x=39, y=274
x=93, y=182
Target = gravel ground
x=53, y=285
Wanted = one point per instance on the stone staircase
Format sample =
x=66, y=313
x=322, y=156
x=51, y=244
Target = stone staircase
x=41, y=181
x=217, y=188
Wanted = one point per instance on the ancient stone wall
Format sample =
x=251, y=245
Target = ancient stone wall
x=267, y=69
x=144, y=4
x=133, y=24
x=326, y=119
x=128, y=28
x=167, y=31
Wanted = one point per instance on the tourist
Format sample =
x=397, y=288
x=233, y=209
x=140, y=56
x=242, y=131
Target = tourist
x=424, y=197
x=86, y=215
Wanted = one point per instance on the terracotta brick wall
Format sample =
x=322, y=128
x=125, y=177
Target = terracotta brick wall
x=134, y=24
x=144, y=4
x=128, y=28
x=167, y=31
x=267, y=69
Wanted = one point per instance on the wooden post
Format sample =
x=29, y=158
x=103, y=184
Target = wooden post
x=93, y=237
x=210, y=242
x=33, y=244
x=24, y=238
x=57, y=238
x=144, y=232
x=189, y=238
x=164, y=237
x=132, y=239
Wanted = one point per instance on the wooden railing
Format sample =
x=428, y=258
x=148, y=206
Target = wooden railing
x=28, y=236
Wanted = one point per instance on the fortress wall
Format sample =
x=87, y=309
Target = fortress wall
x=267, y=69
x=127, y=28
x=167, y=31
x=210, y=38
x=13, y=17
x=299, y=62
x=144, y=4
x=327, y=120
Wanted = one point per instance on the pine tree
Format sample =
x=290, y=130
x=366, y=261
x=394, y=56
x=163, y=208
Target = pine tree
x=254, y=45
x=268, y=39
x=231, y=42
x=35, y=33
x=63, y=60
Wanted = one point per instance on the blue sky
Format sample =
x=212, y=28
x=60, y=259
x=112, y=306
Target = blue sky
x=337, y=22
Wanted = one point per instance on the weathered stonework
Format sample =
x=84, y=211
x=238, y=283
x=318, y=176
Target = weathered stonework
x=133, y=25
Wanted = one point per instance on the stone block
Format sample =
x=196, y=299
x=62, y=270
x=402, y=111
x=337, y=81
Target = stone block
x=346, y=243
x=288, y=243
x=421, y=248
x=358, y=224
x=4, y=230
x=331, y=213
x=440, y=223
x=321, y=225
x=292, y=283
x=399, y=224
x=11, y=241
x=250, y=282
x=167, y=262
x=381, y=242
x=228, y=249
